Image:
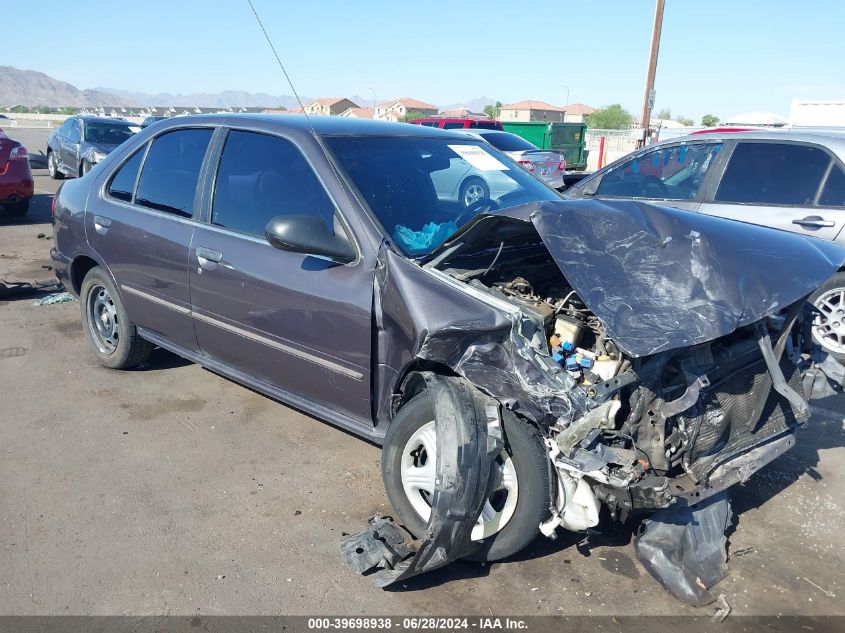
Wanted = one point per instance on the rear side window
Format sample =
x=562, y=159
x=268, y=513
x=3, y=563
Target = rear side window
x=773, y=173
x=675, y=172
x=833, y=194
x=122, y=184
x=261, y=177
x=451, y=125
x=169, y=178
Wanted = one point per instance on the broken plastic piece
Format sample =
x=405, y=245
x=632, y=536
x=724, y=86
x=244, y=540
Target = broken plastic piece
x=56, y=297
x=469, y=437
x=384, y=545
x=684, y=548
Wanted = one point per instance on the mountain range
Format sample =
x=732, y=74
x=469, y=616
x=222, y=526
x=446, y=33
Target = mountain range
x=33, y=88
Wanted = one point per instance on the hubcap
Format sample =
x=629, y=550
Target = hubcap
x=418, y=472
x=829, y=326
x=102, y=319
x=474, y=193
x=51, y=164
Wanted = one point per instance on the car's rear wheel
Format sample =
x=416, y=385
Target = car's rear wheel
x=53, y=166
x=829, y=326
x=512, y=514
x=473, y=190
x=113, y=337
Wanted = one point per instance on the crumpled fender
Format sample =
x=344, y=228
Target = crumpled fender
x=469, y=436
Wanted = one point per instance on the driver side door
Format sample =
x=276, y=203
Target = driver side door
x=674, y=175
x=297, y=323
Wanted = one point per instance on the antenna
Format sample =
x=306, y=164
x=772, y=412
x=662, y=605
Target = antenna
x=281, y=65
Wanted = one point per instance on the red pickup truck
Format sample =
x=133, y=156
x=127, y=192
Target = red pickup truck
x=452, y=123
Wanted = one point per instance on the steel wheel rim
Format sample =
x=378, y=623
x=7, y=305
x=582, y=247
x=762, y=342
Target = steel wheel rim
x=418, y=471
x=102, y=319
x=473, y=193
x=829, y=326
x=51, y=164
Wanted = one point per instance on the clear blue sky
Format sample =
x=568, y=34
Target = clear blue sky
x=719, y=56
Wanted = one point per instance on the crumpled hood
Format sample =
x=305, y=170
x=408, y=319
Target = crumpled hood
x=660, y=278
x=103, y=148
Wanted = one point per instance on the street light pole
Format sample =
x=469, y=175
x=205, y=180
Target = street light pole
x=563, y=118
x=374, y=101
x=648, y=101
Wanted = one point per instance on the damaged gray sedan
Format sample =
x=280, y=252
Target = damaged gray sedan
x=524, y=360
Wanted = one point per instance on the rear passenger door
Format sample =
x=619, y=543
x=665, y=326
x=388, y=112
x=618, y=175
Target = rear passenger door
x=142, y=226
x=791, y=186
x=298, y=323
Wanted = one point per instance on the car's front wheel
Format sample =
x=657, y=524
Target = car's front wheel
x=472, y=190
x=829, y=325
x=512, y=514
x=113, y=337
x=85, y=167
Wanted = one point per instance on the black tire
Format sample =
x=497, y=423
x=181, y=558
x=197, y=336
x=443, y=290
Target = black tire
x=837, y=281
x=18, y=209
x=84, y=168
x=473, y=181
x=530, y=460
x=53, y=166
x=129, y=349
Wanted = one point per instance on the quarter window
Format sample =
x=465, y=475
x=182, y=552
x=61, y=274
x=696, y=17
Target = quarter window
x=261, y=177
x=675, y=172
x=122, y=184
x=773, y=173
x=833, y=194
x=169, y=178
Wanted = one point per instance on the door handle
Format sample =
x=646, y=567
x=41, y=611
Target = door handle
x=101, y=224
x=814, y=222
x=208, y=258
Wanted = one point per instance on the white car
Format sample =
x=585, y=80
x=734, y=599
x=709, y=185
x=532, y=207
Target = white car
x=547, y=164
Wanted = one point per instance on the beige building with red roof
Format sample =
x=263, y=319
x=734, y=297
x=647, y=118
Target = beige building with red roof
x=531, y=111
x=358, y=113
x=396, y=109
x=329, y=105
x=577, y=112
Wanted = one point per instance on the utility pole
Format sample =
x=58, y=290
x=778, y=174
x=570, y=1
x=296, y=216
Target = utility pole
x=648, y=99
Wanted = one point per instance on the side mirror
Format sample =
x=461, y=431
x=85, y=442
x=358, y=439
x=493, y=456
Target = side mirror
x=309, y=235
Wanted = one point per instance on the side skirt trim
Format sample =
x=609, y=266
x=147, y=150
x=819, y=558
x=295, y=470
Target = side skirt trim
x=373, y=434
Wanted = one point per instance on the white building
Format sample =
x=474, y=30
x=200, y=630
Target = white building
x=828, y=113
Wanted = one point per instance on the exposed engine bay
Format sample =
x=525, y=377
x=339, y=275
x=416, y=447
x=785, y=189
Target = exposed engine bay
x=654, y=352
x=672, y=418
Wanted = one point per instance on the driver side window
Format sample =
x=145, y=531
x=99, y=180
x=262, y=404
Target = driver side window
x=674, y=172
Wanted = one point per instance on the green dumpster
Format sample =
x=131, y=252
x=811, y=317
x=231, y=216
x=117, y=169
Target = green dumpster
x=567, y=138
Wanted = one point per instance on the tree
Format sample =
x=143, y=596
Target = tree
x=413, y=115
x=685, y=120
x=493, y=110
x=664, y=115
x=709, y=120
x=612, y=117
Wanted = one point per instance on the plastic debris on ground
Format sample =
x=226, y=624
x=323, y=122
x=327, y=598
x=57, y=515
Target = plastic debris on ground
x=56, y=297
x=685, y=548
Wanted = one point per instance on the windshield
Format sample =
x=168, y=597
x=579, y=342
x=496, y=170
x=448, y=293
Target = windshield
x=507, y=142
x=423, y=189
x=107, y=133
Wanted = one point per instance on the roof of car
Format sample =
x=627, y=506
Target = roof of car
x=102, y=119
x=328, y=125
x=808, y=135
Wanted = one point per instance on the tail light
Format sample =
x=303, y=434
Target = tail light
x=561, y=166
x=55, y=202
x=527, y=164
x=19, y=153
